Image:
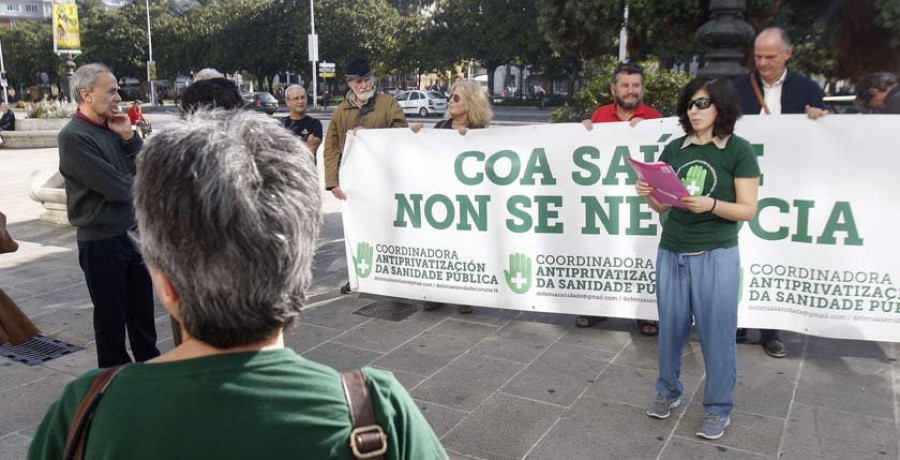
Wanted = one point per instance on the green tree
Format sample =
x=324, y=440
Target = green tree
x=661, y=89
x=493, y=32
x=27, y=50
x=410, y=7
x=351, y=28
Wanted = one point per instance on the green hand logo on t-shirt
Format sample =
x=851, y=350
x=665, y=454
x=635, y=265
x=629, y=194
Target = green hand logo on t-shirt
x=695, y=180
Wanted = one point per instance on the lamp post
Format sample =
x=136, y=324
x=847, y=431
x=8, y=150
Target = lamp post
x=724, y=34
x=623, y=36
x=150, y=62
x=3, y=76
x=313, y=52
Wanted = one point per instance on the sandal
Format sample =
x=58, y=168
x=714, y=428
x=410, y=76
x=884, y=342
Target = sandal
x=585, y=321
x=648, y=328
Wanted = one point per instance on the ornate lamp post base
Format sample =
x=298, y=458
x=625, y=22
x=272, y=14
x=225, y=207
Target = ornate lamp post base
x=724, y=34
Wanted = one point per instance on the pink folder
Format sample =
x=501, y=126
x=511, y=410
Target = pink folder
x=669, y=188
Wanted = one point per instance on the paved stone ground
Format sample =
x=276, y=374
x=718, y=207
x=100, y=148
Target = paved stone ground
x=493, y=384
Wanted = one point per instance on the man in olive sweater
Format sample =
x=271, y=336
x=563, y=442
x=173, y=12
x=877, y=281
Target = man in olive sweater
x=97, y=149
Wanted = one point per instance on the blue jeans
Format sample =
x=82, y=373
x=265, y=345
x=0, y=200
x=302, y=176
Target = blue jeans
x=703, y=288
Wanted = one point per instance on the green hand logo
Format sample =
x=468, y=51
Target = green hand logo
x=518, y=277
x=363, y=259
x=695, y=180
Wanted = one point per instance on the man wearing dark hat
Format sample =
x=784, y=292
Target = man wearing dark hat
x=362, y=108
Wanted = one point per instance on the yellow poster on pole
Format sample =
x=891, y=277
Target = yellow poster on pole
x=66, y=33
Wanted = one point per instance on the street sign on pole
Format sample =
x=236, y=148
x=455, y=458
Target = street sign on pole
x=326, y=67
x=313, y=47
x=326, y=74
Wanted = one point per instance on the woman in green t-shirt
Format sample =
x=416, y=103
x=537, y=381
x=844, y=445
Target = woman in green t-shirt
x=698, y=264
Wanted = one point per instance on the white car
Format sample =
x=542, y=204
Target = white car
x=423, y=103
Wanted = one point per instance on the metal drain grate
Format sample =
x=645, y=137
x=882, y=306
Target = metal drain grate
x=38, y=350
x=389, y=310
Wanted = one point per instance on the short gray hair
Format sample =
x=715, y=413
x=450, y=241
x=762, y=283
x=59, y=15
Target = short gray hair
x=782, y=34
x=207, y=73
x=85, y=77
x=228, y=207
x=289, y=88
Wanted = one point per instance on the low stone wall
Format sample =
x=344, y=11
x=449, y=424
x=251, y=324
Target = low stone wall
x=29, y=139
x=33, y=133
x=41, y=124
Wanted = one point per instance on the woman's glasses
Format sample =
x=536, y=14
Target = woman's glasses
x=702, y=104
x=456, y=98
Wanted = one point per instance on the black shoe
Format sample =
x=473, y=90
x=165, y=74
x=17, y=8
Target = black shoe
x=774, y=347
x=741, y=335
x=345, y=289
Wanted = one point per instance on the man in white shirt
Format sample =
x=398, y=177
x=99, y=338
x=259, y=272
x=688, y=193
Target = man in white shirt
x=773, y=89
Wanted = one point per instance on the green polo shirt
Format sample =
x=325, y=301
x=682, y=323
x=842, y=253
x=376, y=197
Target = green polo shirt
x=270, y=404
x=707, y=170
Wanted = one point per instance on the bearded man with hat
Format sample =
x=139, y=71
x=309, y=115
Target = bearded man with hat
x=362, y=108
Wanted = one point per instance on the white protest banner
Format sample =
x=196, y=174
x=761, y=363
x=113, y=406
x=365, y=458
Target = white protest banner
x=546, y=218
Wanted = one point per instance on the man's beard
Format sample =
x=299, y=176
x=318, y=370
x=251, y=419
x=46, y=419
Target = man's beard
x=365, y=95
x=628, y=105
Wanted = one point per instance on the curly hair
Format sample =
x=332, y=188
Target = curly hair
x=722, y=94
x=479, y=108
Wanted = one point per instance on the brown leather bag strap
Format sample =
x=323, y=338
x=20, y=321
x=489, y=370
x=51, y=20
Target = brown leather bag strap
x=78, y=430
x=759, y=94
x=367, y=440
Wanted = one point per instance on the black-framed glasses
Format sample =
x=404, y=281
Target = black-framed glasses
x=456, y=98
x=702, y=104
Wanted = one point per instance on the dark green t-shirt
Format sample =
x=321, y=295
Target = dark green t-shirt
x=271, y=404
x=709, y=171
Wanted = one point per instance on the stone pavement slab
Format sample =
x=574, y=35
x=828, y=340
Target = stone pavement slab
x=504, y=426
x=466, y=382
x=818, y=433
x=560, y=375
x=680, y=448
x=758, y=434
x=484, y=380
x=600, y=429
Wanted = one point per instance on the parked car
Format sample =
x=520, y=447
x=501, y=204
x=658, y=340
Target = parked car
x=130, y=89
x=262, y=101
x=842, y=104
x=423, y=103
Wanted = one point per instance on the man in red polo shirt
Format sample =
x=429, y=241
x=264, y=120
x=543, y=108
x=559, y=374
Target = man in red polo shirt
x=627, y=89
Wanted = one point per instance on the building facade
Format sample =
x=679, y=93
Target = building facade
x=14, y=11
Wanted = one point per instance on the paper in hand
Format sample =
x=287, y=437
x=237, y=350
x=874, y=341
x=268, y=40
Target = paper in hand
x=669, y=189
